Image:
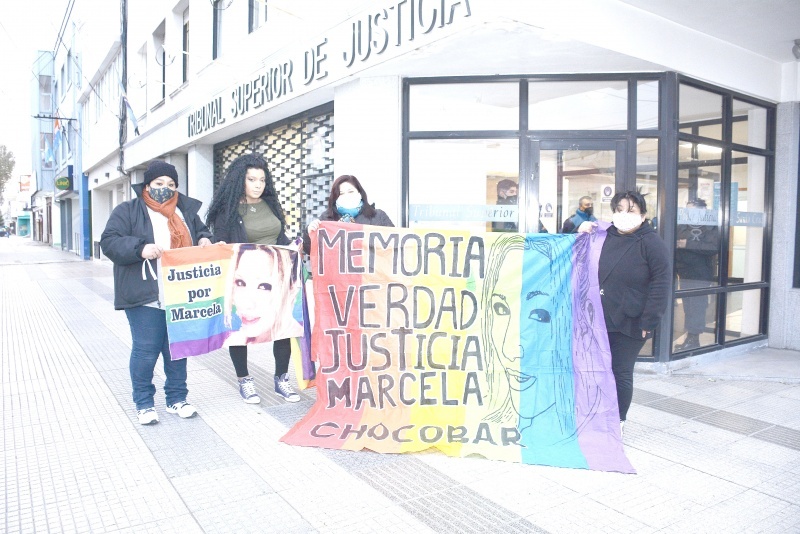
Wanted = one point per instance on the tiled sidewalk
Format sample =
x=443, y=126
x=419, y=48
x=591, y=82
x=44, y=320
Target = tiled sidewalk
x=713, y=455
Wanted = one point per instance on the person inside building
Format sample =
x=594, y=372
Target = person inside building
x=583, y=214
x=634, y=274
x=506, y=196
x=696, y=249
x=347, y=202
x=245, y=209
x=136, y=235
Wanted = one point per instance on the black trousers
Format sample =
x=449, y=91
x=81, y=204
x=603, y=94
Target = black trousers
x=281, y=349
x=624, y=350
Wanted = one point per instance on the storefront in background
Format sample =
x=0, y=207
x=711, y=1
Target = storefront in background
x=703, y=156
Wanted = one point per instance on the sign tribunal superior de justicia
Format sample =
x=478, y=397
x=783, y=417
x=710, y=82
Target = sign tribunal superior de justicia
x=368, y=37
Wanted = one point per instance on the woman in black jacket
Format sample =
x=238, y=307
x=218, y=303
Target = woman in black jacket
x=245, y=209
x=138, y=231
x=347, y=202
x=634, y=275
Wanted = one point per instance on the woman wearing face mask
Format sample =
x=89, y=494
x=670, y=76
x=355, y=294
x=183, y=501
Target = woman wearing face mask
x=245, y=209
x=634, y=274
x=347, y=203
x=136, y=235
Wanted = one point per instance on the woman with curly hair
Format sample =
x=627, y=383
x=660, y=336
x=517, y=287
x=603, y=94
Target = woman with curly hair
x=245, y=209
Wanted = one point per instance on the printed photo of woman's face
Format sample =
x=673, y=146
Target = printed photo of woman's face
x=253, y=295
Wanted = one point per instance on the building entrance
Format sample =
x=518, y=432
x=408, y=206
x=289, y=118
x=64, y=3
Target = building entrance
x=570, y=174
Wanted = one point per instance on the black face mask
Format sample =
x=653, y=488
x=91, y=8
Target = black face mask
x=588, y=212
x=511, y=199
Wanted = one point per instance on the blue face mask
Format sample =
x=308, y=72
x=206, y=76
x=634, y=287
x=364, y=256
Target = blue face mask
x=351, y=212
x=161, y=194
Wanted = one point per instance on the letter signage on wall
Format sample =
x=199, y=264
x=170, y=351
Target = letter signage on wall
x=351, y=47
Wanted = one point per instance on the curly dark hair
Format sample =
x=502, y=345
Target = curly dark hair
x=231, y=191
x=367, y=209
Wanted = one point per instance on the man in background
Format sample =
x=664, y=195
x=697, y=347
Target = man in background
x=582, y=215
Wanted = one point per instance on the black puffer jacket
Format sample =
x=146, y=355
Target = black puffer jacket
x=379, y=218
x=235, y=233
x=634, y=274
x=127, y=232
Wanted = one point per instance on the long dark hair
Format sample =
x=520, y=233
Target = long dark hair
x=229, y=194
x=368, y=209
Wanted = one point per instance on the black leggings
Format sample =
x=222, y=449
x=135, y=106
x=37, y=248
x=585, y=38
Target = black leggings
x=624, y=350
x=281, y=349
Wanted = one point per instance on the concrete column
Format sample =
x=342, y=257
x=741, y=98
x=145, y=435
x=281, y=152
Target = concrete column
x=369, y=139
x=785, y=300
x=200, y=175
x=180, y=163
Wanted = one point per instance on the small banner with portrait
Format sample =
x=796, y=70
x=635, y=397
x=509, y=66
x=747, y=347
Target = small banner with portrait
x=490, y=344
x=237, y=294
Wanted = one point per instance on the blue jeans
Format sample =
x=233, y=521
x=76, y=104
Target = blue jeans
x=149, y=336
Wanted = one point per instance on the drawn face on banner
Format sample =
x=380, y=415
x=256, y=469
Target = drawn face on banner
x=521, y=325
x=255, y=286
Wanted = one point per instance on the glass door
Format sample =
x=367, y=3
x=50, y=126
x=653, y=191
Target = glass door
x=573, y=181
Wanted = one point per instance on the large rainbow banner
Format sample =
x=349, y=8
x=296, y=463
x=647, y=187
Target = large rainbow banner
x=236, y=294
x=488, y=344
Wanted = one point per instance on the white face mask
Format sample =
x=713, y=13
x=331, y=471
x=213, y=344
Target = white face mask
x=626, y=221
x=349, y=200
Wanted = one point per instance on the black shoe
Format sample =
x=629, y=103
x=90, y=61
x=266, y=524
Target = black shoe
x=692, y=341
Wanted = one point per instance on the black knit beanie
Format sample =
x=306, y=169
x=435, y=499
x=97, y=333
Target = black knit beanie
x=158, y=168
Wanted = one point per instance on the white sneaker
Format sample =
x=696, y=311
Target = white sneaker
x=183, y=409
x=284, y=389
x=148, y=416
x=247, y=389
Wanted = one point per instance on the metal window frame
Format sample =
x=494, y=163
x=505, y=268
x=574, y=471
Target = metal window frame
x=668, y=135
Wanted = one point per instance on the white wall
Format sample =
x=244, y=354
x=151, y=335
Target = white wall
x=785, y=300
x=368, y=126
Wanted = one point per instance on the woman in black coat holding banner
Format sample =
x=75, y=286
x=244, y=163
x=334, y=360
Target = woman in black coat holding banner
x=137, y=233
x=634, y=275
x=245, y=209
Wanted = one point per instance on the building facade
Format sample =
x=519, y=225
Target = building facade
x=438, y=105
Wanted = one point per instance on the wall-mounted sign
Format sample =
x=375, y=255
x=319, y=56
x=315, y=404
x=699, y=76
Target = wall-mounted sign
x=64, y=183
x=356, y=46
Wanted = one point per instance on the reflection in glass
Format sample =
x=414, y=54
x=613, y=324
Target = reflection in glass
x=749, y=124
x=700, y=112
x=748, y=178
x=647, y=105
x=572, y=179
x=455, y=183
x=694, y=314
x=743, y=314
x=466, y=106
x=596, y=105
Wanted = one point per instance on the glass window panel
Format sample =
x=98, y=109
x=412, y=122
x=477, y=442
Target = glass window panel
x=566, y=177
x=749, y=124
x=748, y=179
x=466, y=106
x=458, y=183
x=698, y=108
x=694, y=322
x=647, y=175
x=697, y=236
x=743, y=314
x=647, y=105
x=600, y=105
